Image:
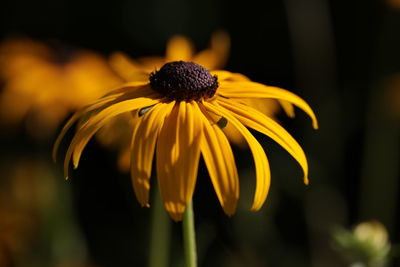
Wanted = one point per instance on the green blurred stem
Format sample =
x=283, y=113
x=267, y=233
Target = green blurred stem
x=379, y=184
x=160, y=233
x=189, y=237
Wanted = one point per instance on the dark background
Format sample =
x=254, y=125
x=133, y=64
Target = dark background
x=337, y=55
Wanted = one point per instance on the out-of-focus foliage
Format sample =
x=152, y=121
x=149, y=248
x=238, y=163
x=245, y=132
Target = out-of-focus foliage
x=366, y=245
x=342, y=57
x=36, y=220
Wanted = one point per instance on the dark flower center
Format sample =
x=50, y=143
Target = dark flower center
x=180, y=80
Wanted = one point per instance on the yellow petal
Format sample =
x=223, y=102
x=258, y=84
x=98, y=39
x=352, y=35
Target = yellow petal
x=99, y=104
x=262, y=123
x=151, y=63
x=143, y=146
x=263, y=175
x=178, y=152
x=269, y=107
x=179, y=48
x=100, y=119
x=234, y=136
x=94, y=123
x=257, y=90
x=288, y=108
x=216, y=56
x=124, y=160
x=127, y=68
x=102, y=103
x=224, y=75
x=117, y=133
x=127, y=88
x=229, y=130
x=218, y=156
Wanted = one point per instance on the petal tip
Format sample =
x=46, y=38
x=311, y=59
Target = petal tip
x=255, y=208
x=315, y=125
x=230, y=211
x=176, y=217
x=54, y=157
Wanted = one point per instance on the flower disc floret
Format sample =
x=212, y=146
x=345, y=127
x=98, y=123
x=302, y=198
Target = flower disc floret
x=184, y=81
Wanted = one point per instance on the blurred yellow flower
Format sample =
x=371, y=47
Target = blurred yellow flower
x=179, y=113
x=47, y=85
x=178, y=48
x=393, y=3
x=391, y=95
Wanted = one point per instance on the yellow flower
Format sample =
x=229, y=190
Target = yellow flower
x=181, y=48
x=47, y=85
x=180, y=112
x=128, y=69
x=178, y=48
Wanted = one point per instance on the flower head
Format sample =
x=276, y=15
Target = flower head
x=179, y=48
x=180, y=113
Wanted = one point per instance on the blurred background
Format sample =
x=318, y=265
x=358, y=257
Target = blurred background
x=342, y=57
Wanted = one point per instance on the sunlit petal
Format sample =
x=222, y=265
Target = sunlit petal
x=257, y=90
x=99, y=105
x=269, y=107
x=218, y=156
x=127, y=68
x=179, y=48
x=178, y=152
x=263, y=175
x=216, y=56
x=143, y=147
x=87, y=130
x=224, y=75
x=260, y=122
x=288, y=108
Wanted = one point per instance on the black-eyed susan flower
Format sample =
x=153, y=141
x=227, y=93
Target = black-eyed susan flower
x=180, y=114
x=46, y=84
x=129, y=69
x=179, y=48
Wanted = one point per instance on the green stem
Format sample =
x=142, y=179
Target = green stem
x=189, y=237
x=160, y=233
